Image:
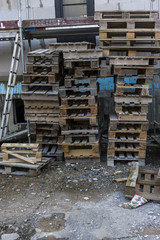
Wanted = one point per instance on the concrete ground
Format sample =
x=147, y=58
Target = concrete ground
x=74, y=201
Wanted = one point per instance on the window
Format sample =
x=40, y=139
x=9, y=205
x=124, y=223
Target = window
x=74, y=8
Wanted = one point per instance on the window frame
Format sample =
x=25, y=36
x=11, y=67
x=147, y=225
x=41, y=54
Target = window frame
x=59, y=8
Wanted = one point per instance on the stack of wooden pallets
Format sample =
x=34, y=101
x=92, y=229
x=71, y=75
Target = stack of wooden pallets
x=131, y=41
x=78, y=108
x=40, y=92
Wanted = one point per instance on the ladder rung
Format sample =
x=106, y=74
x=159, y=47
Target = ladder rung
x=16, y=58
x=11, y=86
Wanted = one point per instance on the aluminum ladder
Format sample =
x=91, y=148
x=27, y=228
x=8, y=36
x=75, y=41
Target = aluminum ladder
x=10, y=87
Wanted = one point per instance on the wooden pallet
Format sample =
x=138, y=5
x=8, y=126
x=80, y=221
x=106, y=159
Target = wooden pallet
x=52, y=151
x=92, y=63
x=113, y=161
x=87, y=151
x=80, y=132
x=83, y=55
x=133, y=61
x=126, y=153
x=116, y=124
x=127, y=134
x=132, y=99
x=133, y=51
x=46, y=56
x=131, y=115
x=46, y=78
x=84, y=99
x=40, y=96
x=88, y=82
x=129, y=34
x=21, y=152
x=80, y=138
x=78, y=91
x=136, y=89
x=130, y=107
x=39, y=104
x=144, y=183
x=113, y=143
x=78, y=109
x=71, y=46
x=23, y=169
x=123, y=80
x=133, y=70
x=129, y=24
x=42, y=68
x=43, y=110
x=40, y=127
x=78, y=123
x=89, y=72
x=99, y=15
x=50, y=117
x=82, y=159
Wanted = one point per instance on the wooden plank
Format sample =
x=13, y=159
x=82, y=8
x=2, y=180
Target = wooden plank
x=133, y=176
x=25, y=159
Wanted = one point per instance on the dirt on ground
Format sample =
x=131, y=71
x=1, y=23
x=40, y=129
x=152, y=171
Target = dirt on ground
x=75, y=201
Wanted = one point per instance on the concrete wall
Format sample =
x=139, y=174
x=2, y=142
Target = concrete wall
x=126, y=5
x=37, y=9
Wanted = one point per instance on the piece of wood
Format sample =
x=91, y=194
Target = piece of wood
x=25, y=159
x=118, y=180
x=133, y=176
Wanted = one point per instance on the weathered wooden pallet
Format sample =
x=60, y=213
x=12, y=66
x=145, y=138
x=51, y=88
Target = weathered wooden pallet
x=78, y=122
x=83, y=99
x=38, y=85
x=89, y=72
x=136, y=89
x=18, y=152
x=130, y=51
x=113, y=161
x=46, y=56
x=39, y=104
x=70, y=46
x=129, y=24
x=71, y=82
x=133, y=70
x=131, y=115
x=122, y=80
x=52, y=118
x=144, y=183
x=80, y=138
x=81, y=152
x=47, y=78
x=91, y=63
x=132, y=99
x=80, y=132
x=81, y=55
x=40, y=96
x=78, y=91
x=126, y=153
x=43, y=110
x=133, y=61
x=141, y=108
x=129, y=34
x=99, y=15
x=124, y=143
x=39, y=128
x=52, y=151
x=130, y=125
x=47, y=139
x=23, y=169
x=42, y=68
x=78, y=109
x=127, y=135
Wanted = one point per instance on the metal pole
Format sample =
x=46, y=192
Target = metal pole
x=21, y=34
x=27, y=9
x=159, y=7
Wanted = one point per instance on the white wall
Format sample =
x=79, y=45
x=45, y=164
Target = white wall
x=126, y=5
x=37, y=9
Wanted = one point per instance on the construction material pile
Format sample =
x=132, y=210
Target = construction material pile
x=40, y=92
x=131, y=41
